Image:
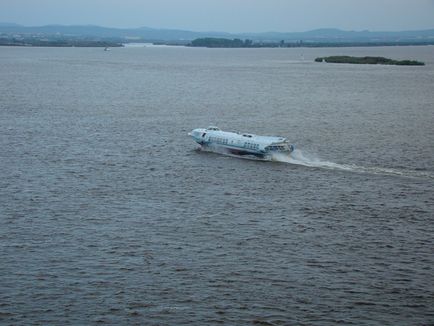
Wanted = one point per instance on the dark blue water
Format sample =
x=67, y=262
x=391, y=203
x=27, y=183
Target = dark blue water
x=109, y=214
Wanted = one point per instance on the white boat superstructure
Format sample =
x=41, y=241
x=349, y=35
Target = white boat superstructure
x=241, y=143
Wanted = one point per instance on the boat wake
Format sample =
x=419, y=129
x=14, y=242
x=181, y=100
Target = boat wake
x=298, y=157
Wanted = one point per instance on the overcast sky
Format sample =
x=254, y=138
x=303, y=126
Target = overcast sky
x=226, y=15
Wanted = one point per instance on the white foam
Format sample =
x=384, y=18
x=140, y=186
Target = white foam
x=310, y=160
x=303, y=158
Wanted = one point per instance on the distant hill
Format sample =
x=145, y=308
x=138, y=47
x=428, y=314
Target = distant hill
x=168, y=35
x=142, y=33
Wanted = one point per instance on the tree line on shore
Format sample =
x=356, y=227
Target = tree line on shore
x=215, y=42
x=369, y=60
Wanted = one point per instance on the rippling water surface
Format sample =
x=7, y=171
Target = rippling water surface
x=109, y=213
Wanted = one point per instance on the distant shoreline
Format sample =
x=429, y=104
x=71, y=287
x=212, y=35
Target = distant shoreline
x=210, y=42
x=64, y=43
x=200, y=43
x=159, y=44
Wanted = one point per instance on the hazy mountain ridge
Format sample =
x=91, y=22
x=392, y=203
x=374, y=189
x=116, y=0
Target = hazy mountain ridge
x=153, y=34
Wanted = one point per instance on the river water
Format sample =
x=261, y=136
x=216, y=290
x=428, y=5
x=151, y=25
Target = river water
x=109, y=213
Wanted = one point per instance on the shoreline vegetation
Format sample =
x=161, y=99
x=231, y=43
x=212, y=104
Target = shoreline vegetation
x=47, y=42
x=214, y=42
x=369, y=60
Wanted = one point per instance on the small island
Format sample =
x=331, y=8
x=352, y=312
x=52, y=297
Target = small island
x=369, y=60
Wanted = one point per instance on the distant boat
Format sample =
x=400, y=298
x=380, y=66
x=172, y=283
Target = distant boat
x=241, y=143
x=106, y=49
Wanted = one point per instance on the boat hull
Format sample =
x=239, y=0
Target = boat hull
x=240, y=152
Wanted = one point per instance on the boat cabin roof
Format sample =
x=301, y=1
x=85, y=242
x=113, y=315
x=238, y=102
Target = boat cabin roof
x=264, y=140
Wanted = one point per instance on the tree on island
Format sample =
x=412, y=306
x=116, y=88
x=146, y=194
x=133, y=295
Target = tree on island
x=213, y=42
x=369, y=60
